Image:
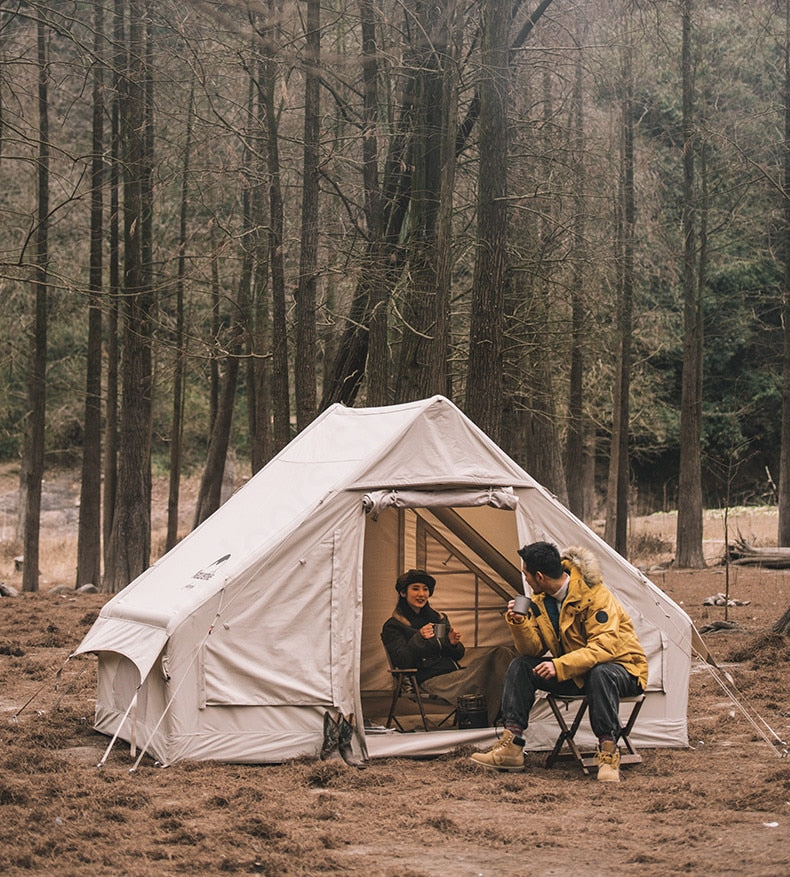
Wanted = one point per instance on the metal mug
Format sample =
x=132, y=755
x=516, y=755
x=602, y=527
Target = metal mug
x=520, y=604
x=440, y=630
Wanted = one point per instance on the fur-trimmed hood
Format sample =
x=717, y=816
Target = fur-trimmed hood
x=585, y=562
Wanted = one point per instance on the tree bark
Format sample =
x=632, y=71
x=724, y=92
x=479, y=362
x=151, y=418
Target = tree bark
x=89, y=526
x=210, y=492
x=619, y=469
x=372, y=293
x=378, y=365
x=383, y=263
x=576, y=464
x=259, y=369
x=179, y=365
x=130, y=541
x=37, y=374
x=484, y=391
x=545, y=458
x=281, y=404
x=689, y=528
x=784, y=461
x=423, y=349
x=304, y=370
x=113, y=319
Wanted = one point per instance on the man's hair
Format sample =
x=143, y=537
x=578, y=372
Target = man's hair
x=542, y=557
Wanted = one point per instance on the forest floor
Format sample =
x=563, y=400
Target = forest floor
x=719, y=807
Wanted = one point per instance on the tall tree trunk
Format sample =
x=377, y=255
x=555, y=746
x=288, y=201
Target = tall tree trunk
x=378, y=370
x=259, y=369
x=304, y=370
x=372, y=292
x=210, y=492
x=238, y=344
x=576, y=467
x=130, y=541
x=112, y=327
x=423, y=350
x=216, y=322
x=619, y=468
x=484, y=398
x=179, y=366
x=281, y=404
x=784, y=462
x=384, y=259
x=37, y=374
x=89, y=526
x=689, y=527
x=544, y=445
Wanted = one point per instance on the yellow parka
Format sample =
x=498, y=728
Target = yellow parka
x=594, y=627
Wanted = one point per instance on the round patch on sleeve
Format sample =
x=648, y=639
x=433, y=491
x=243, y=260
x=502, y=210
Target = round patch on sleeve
x=601, y=616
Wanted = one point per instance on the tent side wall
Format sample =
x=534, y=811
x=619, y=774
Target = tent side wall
x=251, y=672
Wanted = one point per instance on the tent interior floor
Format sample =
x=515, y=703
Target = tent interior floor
x=376, y=706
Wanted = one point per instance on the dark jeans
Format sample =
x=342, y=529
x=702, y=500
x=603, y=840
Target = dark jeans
x=604, y=686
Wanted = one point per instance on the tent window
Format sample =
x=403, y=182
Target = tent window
x=436, y=553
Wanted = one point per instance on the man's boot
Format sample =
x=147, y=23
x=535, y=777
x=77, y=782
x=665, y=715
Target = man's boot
x=503, y=755
x=608, y=762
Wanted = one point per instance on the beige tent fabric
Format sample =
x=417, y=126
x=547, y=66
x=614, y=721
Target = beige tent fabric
x=240, y=638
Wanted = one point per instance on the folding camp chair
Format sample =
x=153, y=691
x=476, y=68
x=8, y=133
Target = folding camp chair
x=567, y=734
x=405, y=685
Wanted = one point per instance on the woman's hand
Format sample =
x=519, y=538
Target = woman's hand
x=426, y=631
x=454, y=637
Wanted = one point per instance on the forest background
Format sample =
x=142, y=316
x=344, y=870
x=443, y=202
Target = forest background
x=571, y=218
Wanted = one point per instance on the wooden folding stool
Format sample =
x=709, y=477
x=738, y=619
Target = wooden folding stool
x=567, y=733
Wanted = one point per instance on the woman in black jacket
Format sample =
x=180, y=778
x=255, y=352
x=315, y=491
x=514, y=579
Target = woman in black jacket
x=409, y=636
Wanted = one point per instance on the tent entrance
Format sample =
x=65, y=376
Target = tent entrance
x=466, y=550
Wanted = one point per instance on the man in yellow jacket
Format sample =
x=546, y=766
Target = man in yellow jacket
x=575, y=638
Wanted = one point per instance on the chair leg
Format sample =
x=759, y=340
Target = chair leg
x=418, y=695
x=625, y=733
x=400, y=681
x=567, y=734
x=393, y=703
x=447, y=718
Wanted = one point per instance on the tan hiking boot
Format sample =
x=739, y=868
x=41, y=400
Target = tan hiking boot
x=503, y=755
x=608, y=762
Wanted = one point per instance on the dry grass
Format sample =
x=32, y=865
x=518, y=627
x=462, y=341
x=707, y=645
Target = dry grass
x=721, y=807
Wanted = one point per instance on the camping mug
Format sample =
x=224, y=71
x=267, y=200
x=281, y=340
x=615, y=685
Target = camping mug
x=520, y=604
x=440, y=630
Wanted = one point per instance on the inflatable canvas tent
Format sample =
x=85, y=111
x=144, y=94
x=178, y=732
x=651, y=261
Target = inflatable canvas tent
x=235, y=643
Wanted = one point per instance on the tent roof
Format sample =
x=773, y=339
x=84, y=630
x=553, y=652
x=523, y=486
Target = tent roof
x=429, y=444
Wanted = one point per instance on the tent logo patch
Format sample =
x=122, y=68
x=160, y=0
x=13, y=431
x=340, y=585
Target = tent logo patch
x=210, y=571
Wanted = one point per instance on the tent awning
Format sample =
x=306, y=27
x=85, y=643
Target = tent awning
x=140, y=643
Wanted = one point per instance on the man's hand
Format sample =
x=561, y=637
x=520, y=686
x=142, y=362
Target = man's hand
x=546, y=669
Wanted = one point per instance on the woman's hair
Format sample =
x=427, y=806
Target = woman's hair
x=413, y=576
x=542, y=557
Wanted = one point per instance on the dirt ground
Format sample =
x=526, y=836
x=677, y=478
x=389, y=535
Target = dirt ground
x=720, y=807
